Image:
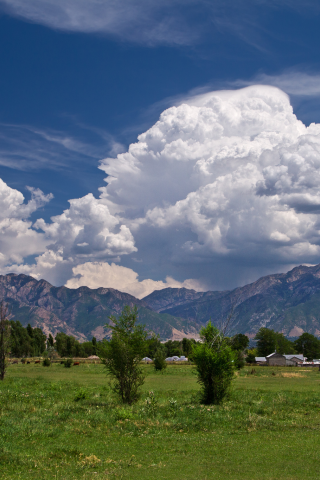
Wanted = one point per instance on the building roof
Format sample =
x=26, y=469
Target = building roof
x=260, y=359
x=288, y=357
x=299, y=357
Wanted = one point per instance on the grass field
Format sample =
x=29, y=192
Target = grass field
x=58, y=423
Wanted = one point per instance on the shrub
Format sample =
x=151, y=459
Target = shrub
x=4, y=339
x=151, y=404
x=160, y=360
x=251, y=355
x=80, y=395
x=46, y=362
x=239, y=361
x=214, y=361
x=68, y=363
x=123, y=414
x=123, y=353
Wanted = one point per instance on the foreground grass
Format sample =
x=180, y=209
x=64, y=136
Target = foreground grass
x=65, y=424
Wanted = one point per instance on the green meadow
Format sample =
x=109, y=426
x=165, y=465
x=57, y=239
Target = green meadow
x=59, y=423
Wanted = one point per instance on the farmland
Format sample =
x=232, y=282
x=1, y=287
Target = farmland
x=59, y=423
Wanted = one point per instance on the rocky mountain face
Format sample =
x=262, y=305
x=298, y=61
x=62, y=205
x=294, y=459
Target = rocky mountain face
x=80, y=312
x=287, y=302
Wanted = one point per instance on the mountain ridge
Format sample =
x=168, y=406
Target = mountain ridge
x=80, y=312
x=288, y=302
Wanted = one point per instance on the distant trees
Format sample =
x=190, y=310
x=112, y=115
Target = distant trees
x=123, y=352
x=269, y=341
x=309, y=345
x=251, y=355
x=26, y=342
x=214, y=360
x=68, y=346
x=4, y=338
x=239, y=342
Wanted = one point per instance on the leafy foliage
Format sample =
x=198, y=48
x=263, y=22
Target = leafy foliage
x=239, y=342
x=26, y=342
x=309, y=345
x=123, y=353
x=160, y=359
x=251, y=355
x=214, y=361
x=68, y=363
x=269, y=341
x=4, y=339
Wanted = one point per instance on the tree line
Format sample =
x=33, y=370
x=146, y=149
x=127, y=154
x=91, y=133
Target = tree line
x=269, y=341
x=215, y=356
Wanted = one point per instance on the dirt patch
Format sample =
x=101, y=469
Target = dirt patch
x=296, y=331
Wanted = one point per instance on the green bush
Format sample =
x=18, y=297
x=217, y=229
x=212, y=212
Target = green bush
x=160, y=360
x=80, y=395
x=251, y=355
x=68, y=363
x=151, y=404
x=46, y=362
x=214, y=362
x=239, y=360
x=123, y=353
x=123, y=414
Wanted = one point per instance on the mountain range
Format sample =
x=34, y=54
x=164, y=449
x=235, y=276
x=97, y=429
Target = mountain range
x=287, y=302
x=81, y=312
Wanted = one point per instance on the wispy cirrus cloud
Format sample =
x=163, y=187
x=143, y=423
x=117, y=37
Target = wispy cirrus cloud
x=26, y=147
x=141, y=20
x=169, y=22
x=293, y=82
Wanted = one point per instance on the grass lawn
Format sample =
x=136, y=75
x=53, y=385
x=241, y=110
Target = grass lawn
x=59, y=423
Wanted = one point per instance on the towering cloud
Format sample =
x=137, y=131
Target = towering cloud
x=232, y=179
x=222, y=189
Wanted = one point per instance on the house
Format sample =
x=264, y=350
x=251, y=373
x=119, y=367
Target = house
x=261, y=360
x=294, y=360
x=276, y=359
x=147, y=360
x=177, y=359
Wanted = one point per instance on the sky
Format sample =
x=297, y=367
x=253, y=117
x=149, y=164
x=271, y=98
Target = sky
x=146, y=145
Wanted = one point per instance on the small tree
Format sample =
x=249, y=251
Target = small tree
x=123, y=353
x=214, y=361
x=160, y=359
x=4, y=338
x=251, y=355
x=239, y=342
x=94, y=345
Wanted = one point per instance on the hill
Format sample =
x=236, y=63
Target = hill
x=80, y=312
x=287, y=302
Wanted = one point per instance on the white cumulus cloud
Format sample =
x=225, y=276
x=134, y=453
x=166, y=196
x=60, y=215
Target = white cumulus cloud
x=98, y=274
x=225, y=177
x=17, y=239
x=222, y=189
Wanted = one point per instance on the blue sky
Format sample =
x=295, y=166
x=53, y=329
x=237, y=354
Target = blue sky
x=80, y=80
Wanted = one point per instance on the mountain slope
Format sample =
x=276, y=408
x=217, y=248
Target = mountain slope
x=288, y=302
x=80, y=312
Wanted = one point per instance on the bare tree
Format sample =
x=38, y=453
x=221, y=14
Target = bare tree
x=4, y=338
